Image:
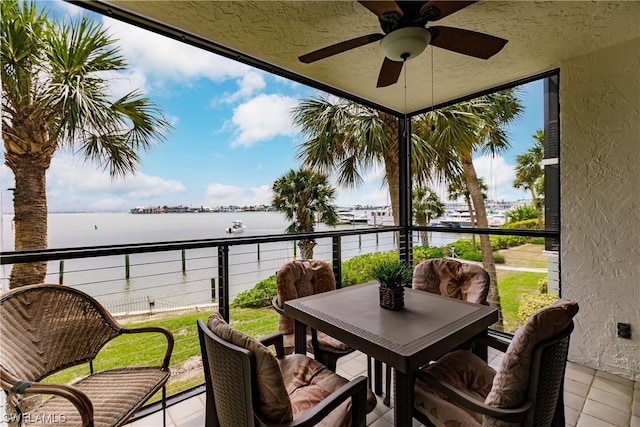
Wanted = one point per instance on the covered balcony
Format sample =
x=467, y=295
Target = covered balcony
x=588, y=55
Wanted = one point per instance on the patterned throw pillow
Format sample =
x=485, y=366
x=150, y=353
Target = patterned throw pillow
x=511, y=383
x=273, y=400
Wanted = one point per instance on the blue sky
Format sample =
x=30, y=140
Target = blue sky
x=232, y=134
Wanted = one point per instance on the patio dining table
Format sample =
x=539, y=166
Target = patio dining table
x=426, y=328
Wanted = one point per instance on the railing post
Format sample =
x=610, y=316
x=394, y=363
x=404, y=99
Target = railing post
x=336, y=251
x=126, y=266
x=258, y=251
x=213, y=290
x=184, y=262
x=223, y=281
x=61, y=273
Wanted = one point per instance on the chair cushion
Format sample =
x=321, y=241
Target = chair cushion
x=308, y=382
x=466, y=372
x=511, y=384
x=453, y=279
x=273, y=399
x=298, y=279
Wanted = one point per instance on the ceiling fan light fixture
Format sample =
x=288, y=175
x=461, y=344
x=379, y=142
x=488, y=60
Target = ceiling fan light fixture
x=405, y=43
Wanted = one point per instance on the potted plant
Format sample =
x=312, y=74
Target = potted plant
x=392, y=276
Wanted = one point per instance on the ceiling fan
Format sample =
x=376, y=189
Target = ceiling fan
x=406, y=35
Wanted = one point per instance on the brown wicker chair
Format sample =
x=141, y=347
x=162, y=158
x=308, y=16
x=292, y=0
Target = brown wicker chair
x=48, y=328
x=527, y=389
x=302, y=278
x=452, y=278
x=248, y=386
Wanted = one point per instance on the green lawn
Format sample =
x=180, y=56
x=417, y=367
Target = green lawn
x=512, y=285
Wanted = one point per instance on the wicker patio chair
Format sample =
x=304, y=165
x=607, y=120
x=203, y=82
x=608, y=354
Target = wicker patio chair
x=302, y=278
x=452, y=278
x=48, y=328
x=526, y=390
x=246, y=385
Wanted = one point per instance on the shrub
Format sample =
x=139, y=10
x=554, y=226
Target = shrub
x=506, y=242
x=530, y=303
x=521, y=213
x=543, y=285
x=358, y=269
x=421, y=253
x=463, y=249
x=527, y=224
x=258, y=296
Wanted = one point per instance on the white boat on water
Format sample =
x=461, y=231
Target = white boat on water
x=459, y=219
x=381, y=217
x=352, y=217
x=456, y=219
x=236, y=227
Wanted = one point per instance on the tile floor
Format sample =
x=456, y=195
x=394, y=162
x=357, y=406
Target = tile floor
x=592, y=399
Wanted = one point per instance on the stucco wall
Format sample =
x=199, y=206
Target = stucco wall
x=600, y=202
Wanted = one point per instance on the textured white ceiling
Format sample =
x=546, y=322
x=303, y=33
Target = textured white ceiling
x=541, y=35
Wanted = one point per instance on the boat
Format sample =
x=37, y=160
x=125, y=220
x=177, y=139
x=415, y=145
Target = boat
x=496, y=219
x=381, y=217
x=352, y=217
x=236, y=227
x=456, y=219
x=462, y=218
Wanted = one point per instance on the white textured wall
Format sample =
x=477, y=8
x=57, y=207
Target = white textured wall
x=600, y=202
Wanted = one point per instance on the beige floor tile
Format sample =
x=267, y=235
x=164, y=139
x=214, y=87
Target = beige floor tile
x=576, y=387
x=589, y=421
x=185, y=410
x=615, y=378
x=573, y=401
x=153, y=420
x=606, y=413
x=613, y=387
x=622, y=403
x=585, y=375
x=571, y=416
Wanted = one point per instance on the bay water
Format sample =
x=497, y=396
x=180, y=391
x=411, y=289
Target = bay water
x=158, y=277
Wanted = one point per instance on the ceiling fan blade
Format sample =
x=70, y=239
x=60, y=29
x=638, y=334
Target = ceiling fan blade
x=467, y=42
x=382, y=7
x=438, y=9
x=334, y=49
x=389, y=73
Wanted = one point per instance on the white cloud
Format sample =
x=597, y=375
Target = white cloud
x=71, y=180
x=263, y=118
x=249, y=84
x=224, y=195
x=499, y=176
x=166, y=58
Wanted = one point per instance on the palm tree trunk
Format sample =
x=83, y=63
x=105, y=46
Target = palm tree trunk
x=485, y=244
x=30, y=214
x=538, y=206
x=391, y=156
x=306, y=248
x=472, y=218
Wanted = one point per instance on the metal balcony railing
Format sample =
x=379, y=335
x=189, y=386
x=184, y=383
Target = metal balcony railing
x=173, y=283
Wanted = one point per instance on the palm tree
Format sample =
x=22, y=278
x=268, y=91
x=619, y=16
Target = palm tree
x=426, y=206
x=348, y=139
x=54, y=95
x=529, y=173
x=465, y=128
x=304, y=196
